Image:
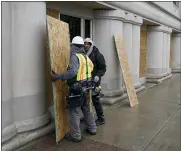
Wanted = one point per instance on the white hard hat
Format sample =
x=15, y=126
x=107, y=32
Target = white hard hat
x=88, y=40
x=78, y=40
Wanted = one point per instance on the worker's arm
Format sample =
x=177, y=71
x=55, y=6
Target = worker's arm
x=101, y=69
x=71, y=71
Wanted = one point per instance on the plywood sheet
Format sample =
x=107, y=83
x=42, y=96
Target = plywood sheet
x=59, y=50
x=143, y=50
x=55, y=14
x=48, y=75
x=126, y=70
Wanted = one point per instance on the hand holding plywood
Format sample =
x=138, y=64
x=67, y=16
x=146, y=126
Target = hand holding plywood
x=59, y=51
x=126, y=70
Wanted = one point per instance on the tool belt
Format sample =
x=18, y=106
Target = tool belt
x=78, y=93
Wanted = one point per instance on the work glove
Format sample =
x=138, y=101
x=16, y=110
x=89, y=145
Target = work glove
x=96, y=79
x=54, y=76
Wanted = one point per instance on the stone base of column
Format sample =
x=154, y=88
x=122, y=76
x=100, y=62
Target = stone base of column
x=113, y=93
x=33, y=123
x=142, y=80
x=26, y=137
x=115, y=99
x=8, y=132
x=155, y=76
x=169, y=71
x=176, y=70
x=167, y=74
x=158, y=80
x=137, y=86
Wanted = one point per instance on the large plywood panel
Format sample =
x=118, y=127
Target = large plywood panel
x=126, y=70
x=143, y=50
x=59, y=51
x=55, y=14
x=48, y=75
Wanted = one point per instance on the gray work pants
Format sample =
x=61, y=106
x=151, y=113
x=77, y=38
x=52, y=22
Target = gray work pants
x=74, y=119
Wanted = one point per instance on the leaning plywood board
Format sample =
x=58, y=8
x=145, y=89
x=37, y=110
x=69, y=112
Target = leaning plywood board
x=143, y=51
x=55, y=14
x=59, y=48
x=52, y=12
x=126, y=70
x=48, y=74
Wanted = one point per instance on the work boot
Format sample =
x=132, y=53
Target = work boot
x=100, y=122
x=91, y=133
x=70, y=138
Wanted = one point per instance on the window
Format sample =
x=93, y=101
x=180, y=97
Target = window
x=74, y=25
x=78, y=26
x=87, y=28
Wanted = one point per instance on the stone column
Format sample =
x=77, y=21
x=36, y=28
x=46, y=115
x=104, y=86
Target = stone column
x=155, y=53
x=136, y=51
x=164, y=55
x=108, y=23
x=128, y=41
x=168, y=51
x=132, y=45
x=158, y=54
x=176, y=53
x=8, y=126
x=28, y=65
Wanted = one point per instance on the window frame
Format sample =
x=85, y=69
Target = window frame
x=91, y=28
x=82, y=24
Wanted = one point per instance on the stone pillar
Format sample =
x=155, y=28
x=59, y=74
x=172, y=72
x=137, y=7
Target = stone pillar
x=136, y=51
x=168, y=51
x=165, y=45
x=128, y=41
x=176, y=53
x=108, y=23
x=132, y=45
x=8, y=126
x=158, y=49
x=155, y=47
x=28, y=66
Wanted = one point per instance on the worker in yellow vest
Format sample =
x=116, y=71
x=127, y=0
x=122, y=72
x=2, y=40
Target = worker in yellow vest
x=78, y=76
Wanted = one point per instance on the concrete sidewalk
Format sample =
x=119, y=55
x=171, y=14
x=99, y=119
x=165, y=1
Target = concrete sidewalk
x=153, y=125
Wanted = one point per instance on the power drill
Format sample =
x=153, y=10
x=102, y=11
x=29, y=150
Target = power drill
x=96, y=90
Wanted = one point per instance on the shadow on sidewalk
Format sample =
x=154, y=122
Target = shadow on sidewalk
x=47, y=143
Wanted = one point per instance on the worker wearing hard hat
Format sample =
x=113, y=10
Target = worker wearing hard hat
x=78, y=76
x=99, y=70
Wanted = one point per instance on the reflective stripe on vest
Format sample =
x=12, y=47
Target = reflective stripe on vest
x=82, y=71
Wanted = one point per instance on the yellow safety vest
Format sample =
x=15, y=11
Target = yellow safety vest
x=84, y=70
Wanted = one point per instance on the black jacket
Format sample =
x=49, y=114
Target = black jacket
x=99, y=63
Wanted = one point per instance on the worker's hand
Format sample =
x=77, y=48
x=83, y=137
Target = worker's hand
x=96, y=79
x=54, y=76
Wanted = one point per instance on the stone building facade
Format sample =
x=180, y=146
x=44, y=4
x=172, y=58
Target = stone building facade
x=152, y=37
